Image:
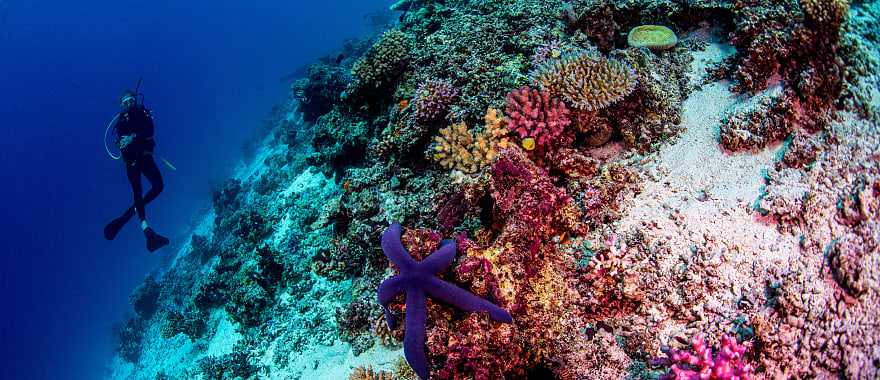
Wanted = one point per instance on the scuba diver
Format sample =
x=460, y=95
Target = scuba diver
x=134, y=138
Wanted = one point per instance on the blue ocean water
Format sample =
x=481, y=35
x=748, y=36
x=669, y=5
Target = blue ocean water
x=211, y=72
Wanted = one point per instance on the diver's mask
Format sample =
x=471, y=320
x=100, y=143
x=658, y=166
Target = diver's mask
x=127, y=102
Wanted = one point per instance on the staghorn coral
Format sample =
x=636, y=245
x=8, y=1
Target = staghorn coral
x=432, y=100
x=460, y=149
x=587, y=81
x=533, y=113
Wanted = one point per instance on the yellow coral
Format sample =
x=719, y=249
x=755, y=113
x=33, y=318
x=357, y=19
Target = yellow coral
x=587, y=81
x=459, y=148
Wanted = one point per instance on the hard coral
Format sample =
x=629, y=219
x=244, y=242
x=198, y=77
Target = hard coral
x=432, y=100
x=728, y=364
x=382, y=64
x=461, y=149
x=587, y=81
x=654, y=37
x=533, y=113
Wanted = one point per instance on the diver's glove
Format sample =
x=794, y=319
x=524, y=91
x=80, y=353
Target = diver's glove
x=126, y=140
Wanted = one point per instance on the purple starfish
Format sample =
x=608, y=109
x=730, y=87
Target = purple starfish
x=418, y=280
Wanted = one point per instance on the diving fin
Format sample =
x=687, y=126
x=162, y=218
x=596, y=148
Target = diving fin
x=154, y=240
x=113, y=228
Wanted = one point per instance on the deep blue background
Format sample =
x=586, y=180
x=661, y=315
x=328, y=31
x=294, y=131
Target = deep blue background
x=211, y=73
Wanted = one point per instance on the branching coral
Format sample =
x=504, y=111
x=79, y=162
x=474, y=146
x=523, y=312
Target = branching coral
x=533, y=113
x=461, y=149
x=432, y=100
x=728, y=364
x=587, y=81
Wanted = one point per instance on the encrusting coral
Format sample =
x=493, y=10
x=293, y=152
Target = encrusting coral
x=586, y=81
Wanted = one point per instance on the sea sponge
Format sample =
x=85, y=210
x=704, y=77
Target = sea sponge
x=654, y=37
x=459, y=148
x=432, y=99
x=587, y=81
x=533, y=113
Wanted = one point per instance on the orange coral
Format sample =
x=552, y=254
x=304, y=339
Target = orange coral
x=459, y=148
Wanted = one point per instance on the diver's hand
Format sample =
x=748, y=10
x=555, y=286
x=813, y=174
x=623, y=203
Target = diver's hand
x=126, y=140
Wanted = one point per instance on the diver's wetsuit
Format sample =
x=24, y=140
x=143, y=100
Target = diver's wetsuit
x=137, y=123
x=138, y=156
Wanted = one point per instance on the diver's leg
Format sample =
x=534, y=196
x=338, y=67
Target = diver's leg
x=133, y=173
x=151, y=171
x=134, y=179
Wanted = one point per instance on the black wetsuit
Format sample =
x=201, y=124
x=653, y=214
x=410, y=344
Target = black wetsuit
x=138, y=156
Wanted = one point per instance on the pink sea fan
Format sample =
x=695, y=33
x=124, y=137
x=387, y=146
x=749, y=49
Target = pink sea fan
x=728, y=364
x=532, y=113
x=432, y=99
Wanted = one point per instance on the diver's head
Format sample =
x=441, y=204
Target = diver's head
x=127, y=100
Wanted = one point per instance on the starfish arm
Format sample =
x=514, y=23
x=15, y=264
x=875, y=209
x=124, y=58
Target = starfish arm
x=439, y=259
x=464, y=300
x=394, y=249
x=414, y=336
x=389, y=289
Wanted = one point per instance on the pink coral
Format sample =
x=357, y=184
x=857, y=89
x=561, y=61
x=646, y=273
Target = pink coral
x=729, y=364
x=533, y=113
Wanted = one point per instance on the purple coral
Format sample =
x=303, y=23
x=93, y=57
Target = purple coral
x=532, y=113
x=729, y=364
x=432, y=99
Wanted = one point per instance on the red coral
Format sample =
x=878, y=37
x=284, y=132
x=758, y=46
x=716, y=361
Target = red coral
x=729, y=364
x=532, y=113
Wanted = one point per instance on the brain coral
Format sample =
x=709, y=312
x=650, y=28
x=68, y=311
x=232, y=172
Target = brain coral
x=655, y=37
x=587, y=81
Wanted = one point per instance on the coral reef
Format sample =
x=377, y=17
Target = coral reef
x=598, y=211
x=362, y=373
